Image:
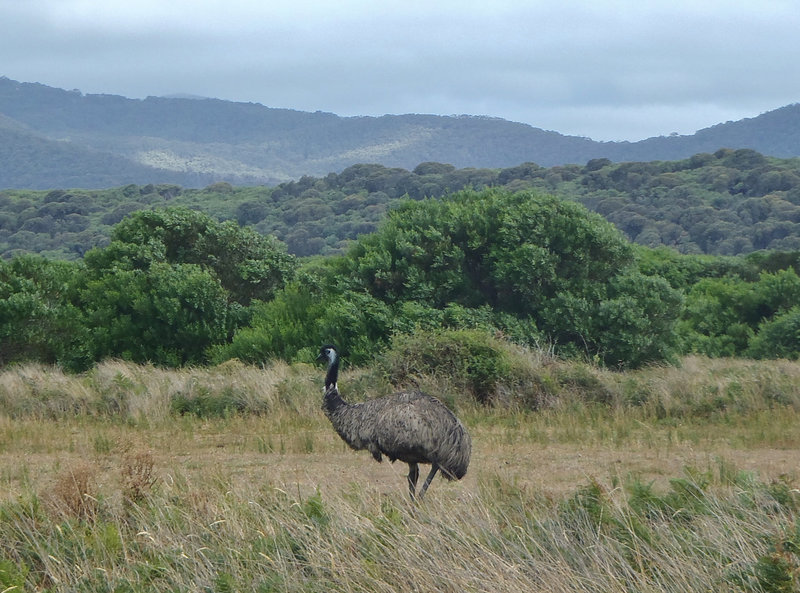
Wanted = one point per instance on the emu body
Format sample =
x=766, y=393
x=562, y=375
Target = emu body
x=410, y=426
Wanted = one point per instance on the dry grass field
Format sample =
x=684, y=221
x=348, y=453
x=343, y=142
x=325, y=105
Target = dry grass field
x=133, y=478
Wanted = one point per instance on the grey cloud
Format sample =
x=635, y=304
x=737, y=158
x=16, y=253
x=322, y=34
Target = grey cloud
x=620, y=70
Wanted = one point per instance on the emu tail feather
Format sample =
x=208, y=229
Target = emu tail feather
x=455, y=453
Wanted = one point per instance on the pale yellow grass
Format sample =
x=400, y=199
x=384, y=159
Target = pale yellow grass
x=104, y=486
x=246, y=451
x=51, y=422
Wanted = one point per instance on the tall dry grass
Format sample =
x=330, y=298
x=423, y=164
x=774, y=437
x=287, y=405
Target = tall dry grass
x=697, y=388
x=132, y=393
x=703, y=534
x=134, y=478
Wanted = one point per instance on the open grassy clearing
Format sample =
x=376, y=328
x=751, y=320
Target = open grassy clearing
x=133, y=478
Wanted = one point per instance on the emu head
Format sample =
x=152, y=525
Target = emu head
x=328, y=352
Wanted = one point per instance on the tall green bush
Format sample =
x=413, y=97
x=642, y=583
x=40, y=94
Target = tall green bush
x=167, y=314
x=298, y=321
x=778, y=337
x=726, y=316
x=247, y=264
x=174, y=283
x=39, y=317
x=543, y=260
x=475, y=360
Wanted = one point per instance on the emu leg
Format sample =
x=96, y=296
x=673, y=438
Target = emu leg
x=434, y=469
x=413, y=476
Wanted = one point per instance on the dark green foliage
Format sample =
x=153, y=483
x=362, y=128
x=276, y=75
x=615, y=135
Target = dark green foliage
x=66, y=224
x=299, y=319
x=684, y=270
x=544, y=261
x=248, y=265
x=277, y=329
x=778, y=337
x=39, y=317
x=166, y=314
x=529, y=265
x=173, y=282
x=635, y=323
x=13, y=575
x=775, y=573
x=590, y=504
x=174, y=286
x=779, y=571
x=730, y=316
x=726, y=203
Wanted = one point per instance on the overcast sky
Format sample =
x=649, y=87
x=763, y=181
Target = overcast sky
x=609, y=70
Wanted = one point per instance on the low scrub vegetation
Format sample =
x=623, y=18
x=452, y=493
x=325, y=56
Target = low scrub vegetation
x=469, y=372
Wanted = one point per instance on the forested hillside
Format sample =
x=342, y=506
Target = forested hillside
x=193, y=142
x=31, y=160
x=725, y=203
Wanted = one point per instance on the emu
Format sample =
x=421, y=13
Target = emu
x=411, y=426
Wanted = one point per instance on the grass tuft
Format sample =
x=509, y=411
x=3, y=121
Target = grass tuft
x=138, y=475
x=75, y=494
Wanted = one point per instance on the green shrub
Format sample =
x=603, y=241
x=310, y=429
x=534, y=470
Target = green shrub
x=778, y=338
x=297, y=322
x=205, y=404
x=475, y=360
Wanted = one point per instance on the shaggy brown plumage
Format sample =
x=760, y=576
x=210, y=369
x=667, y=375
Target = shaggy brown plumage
x=411, y=426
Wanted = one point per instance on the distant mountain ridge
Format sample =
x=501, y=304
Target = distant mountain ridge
x=56, y=138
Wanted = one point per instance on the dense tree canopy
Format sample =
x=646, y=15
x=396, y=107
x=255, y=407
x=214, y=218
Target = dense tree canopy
x=726, y=203
x=247, y=264
x=535, y=267
x=174, y=286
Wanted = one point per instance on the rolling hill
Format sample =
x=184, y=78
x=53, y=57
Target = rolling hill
x=55, y=138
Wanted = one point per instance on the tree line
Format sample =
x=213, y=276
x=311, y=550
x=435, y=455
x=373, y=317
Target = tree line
x=175, y=286
x=730, y=202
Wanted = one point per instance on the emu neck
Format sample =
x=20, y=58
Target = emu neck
x=332, y=376
x=332, y=401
